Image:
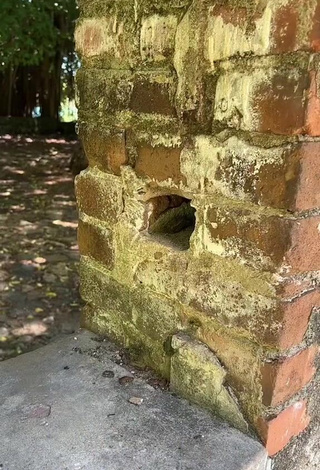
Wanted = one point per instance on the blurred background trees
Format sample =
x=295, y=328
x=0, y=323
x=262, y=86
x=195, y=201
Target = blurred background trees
x=37, y=57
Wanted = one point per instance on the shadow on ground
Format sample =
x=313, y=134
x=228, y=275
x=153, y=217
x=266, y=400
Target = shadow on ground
x=38, y=249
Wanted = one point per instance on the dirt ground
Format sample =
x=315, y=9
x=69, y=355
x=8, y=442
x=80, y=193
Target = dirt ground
x=39, y=296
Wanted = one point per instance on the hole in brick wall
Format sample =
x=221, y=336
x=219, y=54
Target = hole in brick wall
x=171, y=220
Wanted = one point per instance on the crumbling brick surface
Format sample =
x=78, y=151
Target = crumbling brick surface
x=200, y=210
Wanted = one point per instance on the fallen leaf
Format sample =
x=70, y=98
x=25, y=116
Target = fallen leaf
x=65, y=224
x=34, y=329
x=136, y=401
x=51, y=295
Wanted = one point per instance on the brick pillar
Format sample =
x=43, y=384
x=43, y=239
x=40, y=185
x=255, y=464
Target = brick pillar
x=200, y=210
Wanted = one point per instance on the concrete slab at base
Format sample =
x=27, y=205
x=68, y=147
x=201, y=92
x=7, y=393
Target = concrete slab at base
x=58, y=412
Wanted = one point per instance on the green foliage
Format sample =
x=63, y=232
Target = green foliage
x=32, y=31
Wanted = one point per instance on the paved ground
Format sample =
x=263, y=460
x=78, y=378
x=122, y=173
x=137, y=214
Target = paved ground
x=38, y=250
x=72, y=406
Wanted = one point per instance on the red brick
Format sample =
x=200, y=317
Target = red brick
x=288, y=178
x=277, y=97
x=296, y=26
x=307, y=187
x=285, y=326
x=159, y=163
x=285, y=28
x=152, y=97
x=249, y=234
x=290, y=243
x=281, y=105
x=294, y=289
x=109, y=37
x=283, y=379
x=295, y=318
x=315, y=33
x=304, y=252
x=313, y=111
x=278, y=432
x=96, y=242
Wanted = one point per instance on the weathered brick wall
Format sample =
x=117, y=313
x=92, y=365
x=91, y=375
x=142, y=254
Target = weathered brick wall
x=217, y=102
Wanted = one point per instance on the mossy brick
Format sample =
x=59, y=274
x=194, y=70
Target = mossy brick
x=259, y=240
x=115, y=311
x=125, y=8
x=100, y=289
x=241, y=359
x=190, y=66
x=235, y=297
x=104, y=91
x=217, y=122
x=315, y=33
x=276, y=324
x=197, y=374
x=156, y=316
x=282, y=177
x=99, y=195
x=105, y=150
x=143, y=351
x=238, y=30
x=127, y=315
x=96, y=241
x=153, y=93
x=155, y=127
